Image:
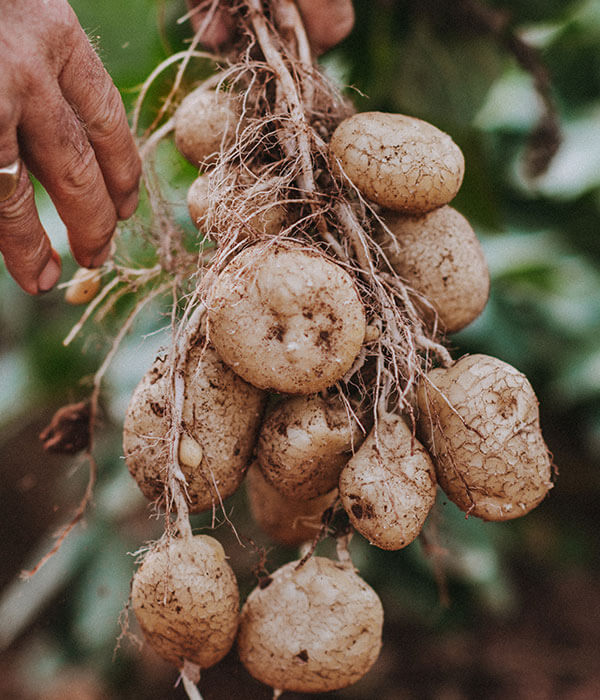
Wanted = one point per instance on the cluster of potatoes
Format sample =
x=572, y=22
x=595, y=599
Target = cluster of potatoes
x=284, y=324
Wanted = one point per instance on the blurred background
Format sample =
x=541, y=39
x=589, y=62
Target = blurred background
x=523, y=619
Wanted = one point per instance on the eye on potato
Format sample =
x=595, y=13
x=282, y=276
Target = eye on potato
x=286, y=319
x=311, y=629
x=221, y=415
x=480, y=420
x=399, y=162
x=388, y=487
x=185, y=598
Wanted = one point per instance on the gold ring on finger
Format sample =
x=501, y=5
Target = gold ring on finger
x=9, y=179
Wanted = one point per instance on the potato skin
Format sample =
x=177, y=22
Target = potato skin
x=304, y=443
x=388, y=487
x=186, y=600
x=222, y=413
x=287, y=521
x=439, y=256
x=480, y=420
x=197, y=201
x=399, y=162
x=286, y=319
x=312, y=629
x=203, y=121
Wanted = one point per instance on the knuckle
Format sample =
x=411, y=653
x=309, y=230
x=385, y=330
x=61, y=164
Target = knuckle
x=78, y=173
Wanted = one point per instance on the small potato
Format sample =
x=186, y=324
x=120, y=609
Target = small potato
x=83, y=287
x=185, y=598
x=304, y=443
x=221, y=414
x=311, y=629
x=439, y=256
x=286, y=319
x=480, y=420
x=204, y=122
x=388, y=487
x=197, y=201
x=399, y=162
x=285, y=520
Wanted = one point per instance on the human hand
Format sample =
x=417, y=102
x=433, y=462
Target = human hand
x=62, y=118
x=327, y=22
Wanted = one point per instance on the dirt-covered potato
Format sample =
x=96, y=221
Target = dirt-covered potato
x=399, y=162
x=480, y=420
x=204, y=121
x=285, y=520
x=197, y=201
x=311, y=629
x=388, y=487
x=439, y=256
x=304, y=443
x=185, y=598
x=221, y=415
x=286, y=319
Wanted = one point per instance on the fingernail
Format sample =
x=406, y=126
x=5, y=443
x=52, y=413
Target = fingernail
x=101, y=257
x=50, y=274
x=129, y=205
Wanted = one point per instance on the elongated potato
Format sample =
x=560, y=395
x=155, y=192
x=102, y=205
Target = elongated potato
x=221, y=414
x=304, y=443
x=285, y=520
x=286, y=319
x=388, y=487
x=204, y=121
x=311, y=629
x=480, y=420
x=197, y=201
x=399, y=162
x=438, y=254
x=185, y=597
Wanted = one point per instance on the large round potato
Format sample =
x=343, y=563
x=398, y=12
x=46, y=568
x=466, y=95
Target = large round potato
x=311, y=629
x=304, y=443
x=388, y=487
x=286, y=319
x=480, y=420
x=439, y=256
x=399, y=162
x=221, y=415
x=185, y=597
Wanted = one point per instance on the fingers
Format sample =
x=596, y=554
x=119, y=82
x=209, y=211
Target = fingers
x=24, y=245
x=56, y=149
x=327, y=22
x=87, y=86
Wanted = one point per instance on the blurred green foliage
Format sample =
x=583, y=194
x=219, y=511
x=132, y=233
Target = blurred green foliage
x=542, y=241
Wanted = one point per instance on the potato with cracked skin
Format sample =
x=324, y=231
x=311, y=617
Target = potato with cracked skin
x=388, y=487
x=285, y=520
x=221, y=417
x=286, y=318
x=480, y=420
x=311, y=629
x=439, y=256
x=204, y=122
x=399, y=162
x=186, y=600
x=304, y=443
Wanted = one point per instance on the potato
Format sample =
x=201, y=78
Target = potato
x=185, y=598
x=439, y=256
x=388, y=487
x=286, y=319
x=287, y=521
x=311, y=629
x=197, y=201
x=83, y=287
x=399, y=162
x=304, y=443
x=480, y=420
x=221, y=415
x=204, y=122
